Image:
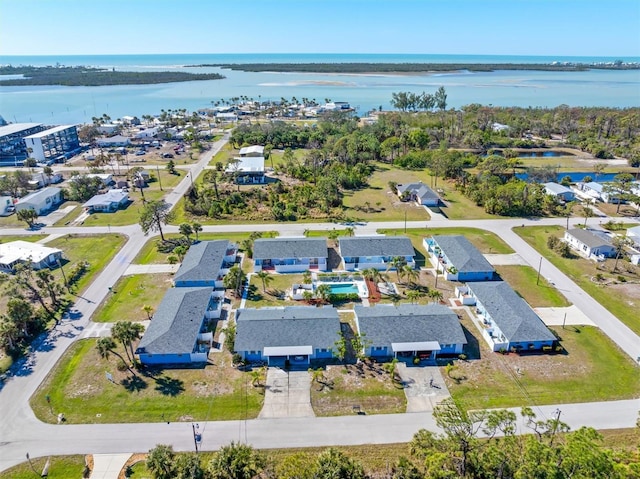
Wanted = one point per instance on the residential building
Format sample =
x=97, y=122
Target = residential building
x=113, y=141
x=54, y=145
x=407, y=331
x=108, y=202
x=379, y=252
x=148, y=133
x=560, y=192
x=178, y=335
x=590, y=243
x=205, y=264
x=297, y=334
x=6, y=206
x=634, y=235
x=12, y=146
x=39, y=180
x=290, y=255
x=593, y=189
x=252, y=151
x=42, y=201
x=247, y=169
x=16, y=252
x=106, y=179
x=418, y=192
x=458, y=259
x=507, y=320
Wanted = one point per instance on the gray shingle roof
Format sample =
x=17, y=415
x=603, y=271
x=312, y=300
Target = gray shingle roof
x=421, y=190
x=408, y=323
x=176, y=324
x=557, y=188
x=515, y=318
x=270, y=248
x=589, y=238
x=289, y=326
x=462, y=254
x=203, y=261
x=376, y=246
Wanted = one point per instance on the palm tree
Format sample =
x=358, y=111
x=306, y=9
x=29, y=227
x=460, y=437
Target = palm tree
x=349, y=231
x=323, y=291
x=317, y=375
x=105, y=347
x=397, y=262
x=265, y=277
x=435, y=295
x=306, y=277
x=147, y=309
x=197, y=228
x=414, y=295
x=587, y=211
x=411, y=274
x=186, y=230
x=127, y=332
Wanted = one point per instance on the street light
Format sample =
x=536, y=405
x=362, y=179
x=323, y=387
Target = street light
x=31, y=464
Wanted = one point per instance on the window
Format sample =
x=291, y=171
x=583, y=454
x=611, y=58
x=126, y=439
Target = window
x=379, y=348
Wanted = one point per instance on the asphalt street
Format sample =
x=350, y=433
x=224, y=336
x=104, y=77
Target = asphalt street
x=21, y=432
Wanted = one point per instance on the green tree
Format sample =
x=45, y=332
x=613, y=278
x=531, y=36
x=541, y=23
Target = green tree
x=148, y=309
x=180, y=251
x=236, y=461
x=189, y=466
x=323, y=291
x=414, y=295
x=127, y=332
x=171, y=167
x=334, y=464
x=340, y=347
x=265, y=277
x=235, y=279
x=29, y=216
x=161, y=461
x=186, y=230
x=155, y=214
x=197, y=228
x=397, y=263
x=296, y=466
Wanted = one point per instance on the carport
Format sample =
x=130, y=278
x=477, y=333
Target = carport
x=297, y=355
x=422, y=349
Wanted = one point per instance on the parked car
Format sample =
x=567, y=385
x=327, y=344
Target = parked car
x=140, y=152
x=167, y=155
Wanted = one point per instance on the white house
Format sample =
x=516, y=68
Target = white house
x=41, y=201
x=148, y=133
x=254, y=150
x=16, y=252
x=108, y=202
x=590, y=243
x=113, y=141
x=593, y=189
x=6, y=205
x=634, y=235
x=247, y=169
x=560, y=192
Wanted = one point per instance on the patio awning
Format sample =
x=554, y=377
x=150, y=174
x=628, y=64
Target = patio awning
x=287, y=351
x=419, y=346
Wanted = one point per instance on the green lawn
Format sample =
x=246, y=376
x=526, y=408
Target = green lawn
x=593, y=369
x=149, y=253
x=523, y=279
x=485, y=241
x=620, y=299
x=225, y=153
x=278, y=285
x=77, y=386
x=30, y=238
x=130, y=294
x=98, y=250
x=60, y=467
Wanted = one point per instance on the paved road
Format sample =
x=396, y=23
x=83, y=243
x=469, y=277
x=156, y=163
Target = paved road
x=21, y=432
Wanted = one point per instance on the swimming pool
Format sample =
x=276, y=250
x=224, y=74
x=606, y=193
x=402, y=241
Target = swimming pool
x=343, y=288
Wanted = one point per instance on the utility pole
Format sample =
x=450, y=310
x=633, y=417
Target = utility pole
x=159, y=180
x=539, y=268
x=197, y=436
x=405, y=221
x=64, y=276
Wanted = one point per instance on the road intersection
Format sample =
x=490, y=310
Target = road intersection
x=22, y=432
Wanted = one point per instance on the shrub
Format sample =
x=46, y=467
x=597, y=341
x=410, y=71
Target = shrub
x=552, y=242
x=622, y=279
x=343, y=297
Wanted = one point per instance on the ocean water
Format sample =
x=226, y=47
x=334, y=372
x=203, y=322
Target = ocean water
x=56, y=105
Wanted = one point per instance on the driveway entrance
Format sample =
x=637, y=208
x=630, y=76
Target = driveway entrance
x=423, y=386
x=287, y=394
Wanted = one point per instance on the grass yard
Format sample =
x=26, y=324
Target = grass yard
x=77, y=386
x=366, y=385
x=276, y=157
x=98, y=250
x=593, y=369
x=523, y=280
x=622, y=299
x=29, y=238
x=60, y=467
x=613, y=210
x=485, y=241
x=275, y=290
x=225, y=154
x=149, y=253
x=130, y=294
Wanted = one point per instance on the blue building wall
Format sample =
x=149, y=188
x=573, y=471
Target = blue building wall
x=475, y=276
x=188, y=284
x=165, y=358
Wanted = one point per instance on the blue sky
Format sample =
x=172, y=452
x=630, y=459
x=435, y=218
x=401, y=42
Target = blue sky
x=500, y=27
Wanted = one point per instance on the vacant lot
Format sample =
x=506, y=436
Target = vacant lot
x=591, y=369
x=618, y=291
x=273, y=292
x=60, y=467
x=539, y=294
x=78, y=387
x=130, y=295
x=149, y=253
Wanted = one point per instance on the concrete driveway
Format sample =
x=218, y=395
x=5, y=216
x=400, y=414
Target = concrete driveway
x=287, y=394
x=424, y=386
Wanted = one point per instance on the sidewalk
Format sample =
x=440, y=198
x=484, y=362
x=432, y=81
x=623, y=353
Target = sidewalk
x=108, y=466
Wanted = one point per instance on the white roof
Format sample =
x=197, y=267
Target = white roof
x=635, y=231
x=24, y=250
x=50, y=131
x=419, y=346
x=16, y=128
x=252, y=149
x=40, y=194
x=111, y=196
x=287, y=350
x=247, y=164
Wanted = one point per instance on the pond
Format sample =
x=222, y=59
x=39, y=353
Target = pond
x=534, y=154
x=577, y=176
